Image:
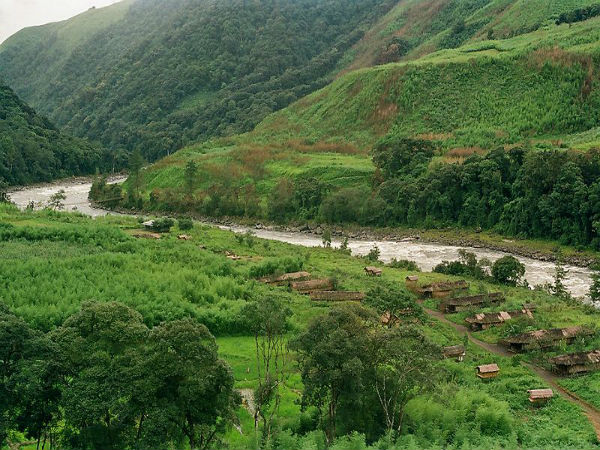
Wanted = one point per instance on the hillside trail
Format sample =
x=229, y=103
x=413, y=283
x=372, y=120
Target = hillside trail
x=592, y=413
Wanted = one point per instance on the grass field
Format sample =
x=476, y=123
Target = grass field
x=72, y=259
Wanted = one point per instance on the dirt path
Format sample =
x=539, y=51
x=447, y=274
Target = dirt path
x=592, y=413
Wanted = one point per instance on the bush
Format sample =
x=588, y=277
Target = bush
x=162, y=225
x=276, y=266
x=185, y=223
x=508, y=270
x=404, y=264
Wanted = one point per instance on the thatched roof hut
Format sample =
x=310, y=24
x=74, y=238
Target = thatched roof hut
x=488, y=371
x=337, y=296
x=324, y=284
x=454, y=351
x=540, y=395
x=442, y=289
x=286, y=278
x=373, y=271
x=544, y=338
x=573, y=363
x=483, y=321
x=457, y=304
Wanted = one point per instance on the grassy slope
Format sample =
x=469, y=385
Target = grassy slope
x=527, y=89
x=160, y=278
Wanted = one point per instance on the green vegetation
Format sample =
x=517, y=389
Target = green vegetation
x=33, y=150
x=456, y=139
x=154, y=77
x=176, y=288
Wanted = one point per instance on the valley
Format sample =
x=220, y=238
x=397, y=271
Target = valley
x=302, y=224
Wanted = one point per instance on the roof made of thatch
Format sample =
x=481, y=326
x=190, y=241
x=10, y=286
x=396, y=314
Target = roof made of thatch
x=488, y=368
x=553, y=334
x=473, y=299
x=497, y=317
x=454, y=350
x=572, y=359
x=536, y=394
x=445, y=286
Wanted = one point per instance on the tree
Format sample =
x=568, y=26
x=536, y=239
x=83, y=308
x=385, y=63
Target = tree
x=508, y=270
x=404, y=368
x=595, y=286
x=190, y=173
x=393, y=301
x=396, y=156
x=3, y=191
x=57, y=199
x=192, y=388
x=267, y=319
x=560, y=274
x=335, y=355
x=136, y=163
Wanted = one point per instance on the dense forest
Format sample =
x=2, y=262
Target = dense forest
x=164, y=75
x=32, y=149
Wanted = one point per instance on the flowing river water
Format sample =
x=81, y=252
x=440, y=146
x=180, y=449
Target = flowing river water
x=426, y=255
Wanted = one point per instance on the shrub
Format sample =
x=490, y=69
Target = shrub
x=508, y=270
x=185, y=223
x=404, y=264
x=276, y=266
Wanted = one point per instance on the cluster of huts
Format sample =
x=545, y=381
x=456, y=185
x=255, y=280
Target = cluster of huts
x=453, y=302
x=320, y=289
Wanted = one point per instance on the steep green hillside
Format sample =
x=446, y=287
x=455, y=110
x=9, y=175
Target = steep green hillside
x=416, y=27
x=33, y=150
x=153, y=75
x=502, y=113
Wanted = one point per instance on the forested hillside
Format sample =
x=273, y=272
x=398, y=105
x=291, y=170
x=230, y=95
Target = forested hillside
x=156, y=75
x=32, y=149
x=455, y=138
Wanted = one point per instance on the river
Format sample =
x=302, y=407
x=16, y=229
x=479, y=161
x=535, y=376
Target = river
x=426, y=255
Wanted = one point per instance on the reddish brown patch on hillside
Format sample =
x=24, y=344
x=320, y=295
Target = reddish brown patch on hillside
x=460, y=154
x=435, y=136
x=325, y=147
x=387, y=109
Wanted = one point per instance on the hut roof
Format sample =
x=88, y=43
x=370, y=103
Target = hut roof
x=454, y=350
x=473, y=299
x=572, y=359
x=553, y=334
x=373, y=269
x=498, y=317
x=537, y=394
x=412, y=278
x=488, y=368
x=292, y=276
x=445, y=286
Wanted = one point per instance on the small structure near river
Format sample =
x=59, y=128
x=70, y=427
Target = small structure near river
x=544, y=338
x=574, y=363
x=442, y=289
x=483, y=321
x=458, y=304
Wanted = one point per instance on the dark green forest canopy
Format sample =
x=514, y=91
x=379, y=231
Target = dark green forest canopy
x=32, y=149
x=165, y=75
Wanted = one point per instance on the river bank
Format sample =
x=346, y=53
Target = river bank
x=427, y=248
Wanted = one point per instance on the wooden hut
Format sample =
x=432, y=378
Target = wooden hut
x=286, y=278
x=442, y=289
x=337, y=296
x=540, y=395
x=483, y=321
x=411, y=282
x=324, y=284
x=486, y=371
x=457, y=304
x=544, y=338
x=455, y=351
x=373, y=271
x=574, y=363
x=530, y=306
